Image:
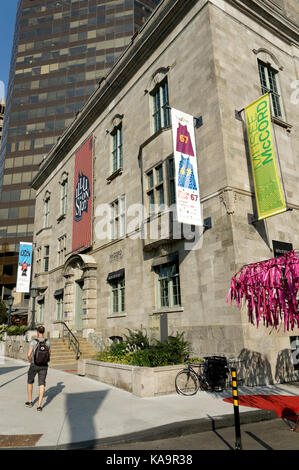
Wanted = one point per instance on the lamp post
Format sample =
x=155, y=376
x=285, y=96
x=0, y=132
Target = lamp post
x=33, y=294
x=9, y=303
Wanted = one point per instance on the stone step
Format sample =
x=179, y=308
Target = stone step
x=62, y=355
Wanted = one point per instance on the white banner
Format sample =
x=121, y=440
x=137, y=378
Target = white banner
x=24, y=267
x=186, y=173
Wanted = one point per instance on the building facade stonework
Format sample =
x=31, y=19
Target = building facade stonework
x=61, y=51
x=208, y=59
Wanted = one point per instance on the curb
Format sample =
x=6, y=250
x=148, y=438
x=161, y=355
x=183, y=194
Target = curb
x=177, y=429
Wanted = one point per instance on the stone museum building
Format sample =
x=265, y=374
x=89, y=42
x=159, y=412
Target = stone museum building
x=61, y=50
x=108, y=252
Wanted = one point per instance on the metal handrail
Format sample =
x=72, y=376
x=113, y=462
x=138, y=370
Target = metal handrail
x=73, y=341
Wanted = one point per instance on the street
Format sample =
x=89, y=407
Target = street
x=265, y=435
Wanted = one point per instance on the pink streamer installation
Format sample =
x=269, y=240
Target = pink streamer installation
x=270, y=288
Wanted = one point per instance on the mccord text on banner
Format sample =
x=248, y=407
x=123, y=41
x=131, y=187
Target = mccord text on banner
x=268, y=190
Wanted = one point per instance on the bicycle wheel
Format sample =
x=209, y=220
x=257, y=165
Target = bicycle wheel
x=186, y=382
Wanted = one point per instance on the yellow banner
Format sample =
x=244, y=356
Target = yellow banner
x=268, y=191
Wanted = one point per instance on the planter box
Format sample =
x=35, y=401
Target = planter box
x=141, y=381
x=16, y=347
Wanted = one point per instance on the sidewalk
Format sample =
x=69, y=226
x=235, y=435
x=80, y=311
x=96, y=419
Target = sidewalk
x=79, y=412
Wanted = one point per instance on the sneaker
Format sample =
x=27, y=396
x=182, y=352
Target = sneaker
x=39, y=408
x=29, y=404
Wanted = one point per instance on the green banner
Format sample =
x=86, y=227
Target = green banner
x=268, y=191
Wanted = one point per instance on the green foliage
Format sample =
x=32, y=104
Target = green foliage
x=136, y=340
x=136, y=350
x=161, y=353
x=118, y=349
x=2, y=330
x=16, y=330
x=3, y=312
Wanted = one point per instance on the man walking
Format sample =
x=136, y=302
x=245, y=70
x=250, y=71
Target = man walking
x=38, y=356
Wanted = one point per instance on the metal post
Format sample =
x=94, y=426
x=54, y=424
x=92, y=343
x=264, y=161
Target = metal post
x=9, y=302
x=238, y=443
x=32, y=324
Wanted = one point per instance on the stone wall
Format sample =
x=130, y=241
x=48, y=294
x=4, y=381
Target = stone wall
x=141, y=381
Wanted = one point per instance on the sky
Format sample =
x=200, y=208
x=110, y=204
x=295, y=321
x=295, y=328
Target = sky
x=8, y=14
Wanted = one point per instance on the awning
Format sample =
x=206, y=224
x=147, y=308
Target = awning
x=58, y=292
x=115, y=275
x=171, y=258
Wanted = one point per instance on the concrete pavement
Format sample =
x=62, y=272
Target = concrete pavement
x=79, y=412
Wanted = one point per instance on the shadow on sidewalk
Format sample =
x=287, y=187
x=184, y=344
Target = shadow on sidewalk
x=52, y=392
x=81, y=409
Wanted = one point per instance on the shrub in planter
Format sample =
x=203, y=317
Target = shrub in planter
x=136, y=340
x=137, y=350
x=2, y=330
x=16, y=330
x=172, y=352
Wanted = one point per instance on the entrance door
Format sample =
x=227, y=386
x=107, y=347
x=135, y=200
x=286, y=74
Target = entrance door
x=79, y=306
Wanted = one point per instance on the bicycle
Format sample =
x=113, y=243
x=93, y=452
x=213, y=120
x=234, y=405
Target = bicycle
x=188, y=381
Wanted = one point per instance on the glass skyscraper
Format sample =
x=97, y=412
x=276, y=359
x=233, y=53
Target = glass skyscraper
x=61, y=50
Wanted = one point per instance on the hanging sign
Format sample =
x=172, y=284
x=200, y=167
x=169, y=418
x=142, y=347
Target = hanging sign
x=268, y=191
x=186, y=173
x=24, y=267
x=280, y=248
x=82, y=199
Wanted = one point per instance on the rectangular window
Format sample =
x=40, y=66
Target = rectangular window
x=118, y=296
x=269, y=83
x=168, y=285
x=117, y=149
x=59, y=308
x=118, y=218
x=171, y=181
x=46, y=258
x=61, y=250
x=38, y=259
x=46, y=213
x=160, y=186
x=40, y=311
x=63, y=200
x=160, y=106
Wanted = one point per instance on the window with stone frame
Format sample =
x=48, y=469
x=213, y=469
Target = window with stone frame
x=59, y=307
x=40, y=311
x=63, y=194
x=46, y=258
x=118, y=296
x=117, y=148
x=270, y=83
x=46, y=222
x=39, y=259
x=160, y=106
x=168, y=285
x=61, y=249
x=160, y=186
x=118, y=218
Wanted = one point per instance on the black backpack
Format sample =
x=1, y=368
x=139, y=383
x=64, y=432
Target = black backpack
x=41, y=353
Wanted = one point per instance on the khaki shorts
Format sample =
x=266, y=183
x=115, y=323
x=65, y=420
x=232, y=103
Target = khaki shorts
x=40, y=370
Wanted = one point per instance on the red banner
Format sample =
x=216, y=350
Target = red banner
x=82, y=199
